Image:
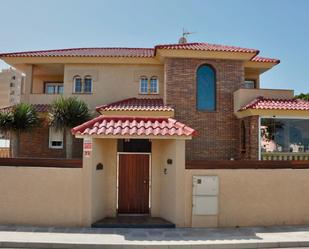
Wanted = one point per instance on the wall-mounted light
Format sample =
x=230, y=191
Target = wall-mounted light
x=99, y=166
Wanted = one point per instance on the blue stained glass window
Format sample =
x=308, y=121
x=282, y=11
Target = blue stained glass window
x=206, y=88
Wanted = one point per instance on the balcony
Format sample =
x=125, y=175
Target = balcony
x=244, y=96
x=42, y=98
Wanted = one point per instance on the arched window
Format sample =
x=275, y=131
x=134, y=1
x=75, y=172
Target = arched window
x=206, y=88
x=153, y=88
x=78, y=86
x=88, y=84
x=243, y=137
x=143, y=85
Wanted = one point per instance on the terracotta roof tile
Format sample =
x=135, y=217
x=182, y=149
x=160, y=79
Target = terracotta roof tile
x=262, y=103
x=136, y=104
x=264, y=59
x=38, y=108
x=207, y=47
x=86, y=52
x=136, y=52
x=133, y=126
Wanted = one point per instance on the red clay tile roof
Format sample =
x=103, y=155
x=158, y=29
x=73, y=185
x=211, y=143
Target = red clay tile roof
x=264, y=59
x=38, y=108
x=262, y=103
x=136, y=52
x=136, y=104
x=133, y=126
x=86, y=52
x=207, y=47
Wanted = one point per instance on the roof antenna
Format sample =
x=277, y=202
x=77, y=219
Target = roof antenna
x=185, y=34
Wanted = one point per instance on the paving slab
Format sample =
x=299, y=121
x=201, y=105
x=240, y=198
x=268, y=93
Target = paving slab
x=180, y=238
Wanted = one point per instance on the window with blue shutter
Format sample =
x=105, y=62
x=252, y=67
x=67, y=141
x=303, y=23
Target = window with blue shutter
x=206, y=88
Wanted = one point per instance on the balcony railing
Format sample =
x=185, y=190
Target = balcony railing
x=284, y=156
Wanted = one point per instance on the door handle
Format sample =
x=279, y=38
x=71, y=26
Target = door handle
x=145, y=181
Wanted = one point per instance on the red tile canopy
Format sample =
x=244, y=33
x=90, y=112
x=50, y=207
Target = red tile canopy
x=136, y=104
x=133, y=126
x=262, y=103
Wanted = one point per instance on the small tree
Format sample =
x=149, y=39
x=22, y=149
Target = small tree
x=16, y=120
x=304, y=96
x=67, y=113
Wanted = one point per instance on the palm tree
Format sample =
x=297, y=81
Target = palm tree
x=67, y=113
x=16, y=120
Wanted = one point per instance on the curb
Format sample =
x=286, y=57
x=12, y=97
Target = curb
x=245, y=245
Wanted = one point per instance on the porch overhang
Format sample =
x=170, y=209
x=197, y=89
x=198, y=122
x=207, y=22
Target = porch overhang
x=272, y=113
x=133, y=127
x=271, y=107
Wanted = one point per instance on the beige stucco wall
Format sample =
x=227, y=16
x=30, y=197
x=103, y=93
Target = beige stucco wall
x=38, y=82
x=104, y=181
x=40, y=196
x=255, y=198
x=112, y=82
x=169, y=198
x=164, y=188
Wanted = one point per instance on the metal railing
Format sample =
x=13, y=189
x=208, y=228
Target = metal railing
x=285, y=156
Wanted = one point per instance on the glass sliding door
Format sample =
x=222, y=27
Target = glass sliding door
x=284, y=139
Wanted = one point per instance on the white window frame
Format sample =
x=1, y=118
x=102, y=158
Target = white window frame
x=148, y=85
x=51, y=140
x=157, y=87
x=140, y=85
x=84, y=83
x=74, y=84
x=55, y=84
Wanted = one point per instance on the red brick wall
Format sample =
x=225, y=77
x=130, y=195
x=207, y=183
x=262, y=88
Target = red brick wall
x=36, y=144
x=251, y=148
x=219, y=131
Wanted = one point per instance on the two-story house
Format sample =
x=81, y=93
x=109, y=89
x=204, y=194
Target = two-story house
x=159, y=109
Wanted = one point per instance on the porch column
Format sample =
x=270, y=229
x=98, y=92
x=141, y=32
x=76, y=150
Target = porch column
x=25, y=96
x=172, y=183
x=86, y=188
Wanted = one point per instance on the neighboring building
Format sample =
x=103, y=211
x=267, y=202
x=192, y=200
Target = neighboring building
x=11, y=83
x=160, y=111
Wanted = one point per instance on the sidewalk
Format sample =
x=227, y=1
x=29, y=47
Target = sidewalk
x=184, y=238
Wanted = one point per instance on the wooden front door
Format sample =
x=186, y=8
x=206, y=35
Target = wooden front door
x=133, y=188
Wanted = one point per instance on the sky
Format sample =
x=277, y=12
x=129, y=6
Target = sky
x=278, y=28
